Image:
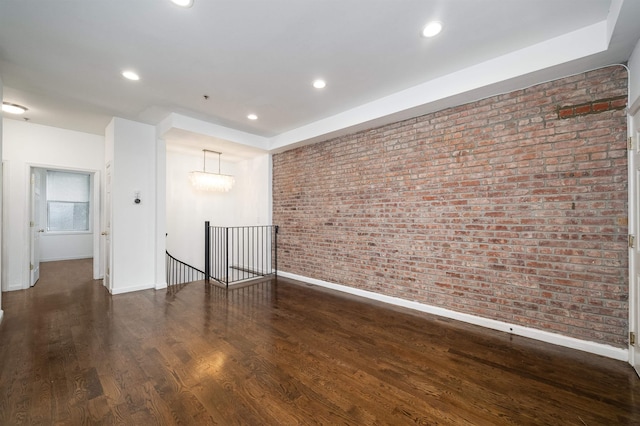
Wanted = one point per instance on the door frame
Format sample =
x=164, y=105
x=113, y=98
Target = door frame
x=35, y=210
x=96, y=209
x=106, y=255
x=633, y=132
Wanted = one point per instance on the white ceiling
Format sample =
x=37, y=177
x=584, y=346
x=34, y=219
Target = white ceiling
x=63, y=59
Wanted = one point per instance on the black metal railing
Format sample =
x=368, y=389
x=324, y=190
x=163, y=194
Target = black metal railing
x=240, y=253
x=179, y=272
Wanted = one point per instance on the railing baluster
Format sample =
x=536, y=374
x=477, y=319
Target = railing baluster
x=179, y=272
x=239, y=253
x=226, y=257
x=207, y=253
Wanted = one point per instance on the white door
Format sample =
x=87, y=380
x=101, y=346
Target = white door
x=634, y=228
x=107, y=228
x=36, y=227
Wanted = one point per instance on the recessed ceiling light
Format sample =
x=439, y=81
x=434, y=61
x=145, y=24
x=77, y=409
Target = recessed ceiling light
x=432, y=29
x=130, y=75
x=13, y=108
x=183, y=3
x=319, y=84
x=252, y=117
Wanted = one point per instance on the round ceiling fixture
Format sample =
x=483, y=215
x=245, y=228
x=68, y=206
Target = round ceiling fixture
x=13, y=108
x=319, y=84
x=252, y=117
x=432, y=29
x=183, y=3
x=130, y=75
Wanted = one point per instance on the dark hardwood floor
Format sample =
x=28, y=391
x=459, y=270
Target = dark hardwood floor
x=280, y=353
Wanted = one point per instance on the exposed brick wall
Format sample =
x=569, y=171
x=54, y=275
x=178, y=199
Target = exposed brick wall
x=499, y=208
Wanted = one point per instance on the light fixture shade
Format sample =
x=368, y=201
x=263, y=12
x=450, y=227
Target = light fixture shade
x=206, y=181
x=13, y=108
x=432, y=29
x=183, y=3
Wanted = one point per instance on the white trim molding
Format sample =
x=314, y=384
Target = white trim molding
x=121, y=290
x=633, y=108
x=58, y=259
x=518, y=330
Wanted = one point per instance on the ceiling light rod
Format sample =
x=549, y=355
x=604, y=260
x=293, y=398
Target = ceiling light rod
x=204, y=159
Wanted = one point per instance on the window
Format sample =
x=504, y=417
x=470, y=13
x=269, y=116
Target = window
x=68, y=201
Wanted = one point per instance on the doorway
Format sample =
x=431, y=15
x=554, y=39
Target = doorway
x=64, y=215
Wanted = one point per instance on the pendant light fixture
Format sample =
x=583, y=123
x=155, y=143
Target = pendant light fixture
x=208, y=181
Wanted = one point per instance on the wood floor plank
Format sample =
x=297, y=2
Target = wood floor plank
x=280, y=352
x=99, y=411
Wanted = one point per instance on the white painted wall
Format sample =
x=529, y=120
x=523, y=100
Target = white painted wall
x=66, y=246
x=253, y=189
x=132, y=148
x=634, y=78
x=161, y=213
x=247, y=204
x=1, y=213
x=32, y=145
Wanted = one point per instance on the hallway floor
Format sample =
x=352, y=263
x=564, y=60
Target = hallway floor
x=280, y=353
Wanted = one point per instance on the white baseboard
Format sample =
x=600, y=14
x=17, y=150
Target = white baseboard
x=129, y=289
x=157, y=286
x=14, y=287
x=1, y=315
x=532, y=333
x=57, y=259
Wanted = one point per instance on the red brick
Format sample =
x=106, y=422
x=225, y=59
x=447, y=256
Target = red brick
x=600, y=106
x=619, y=103
x=582, y=109
x=566, y=112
